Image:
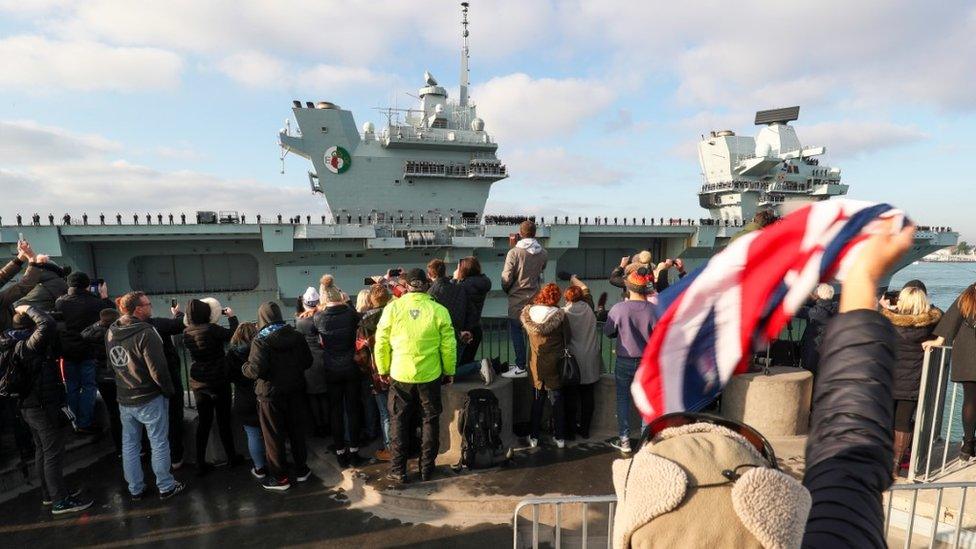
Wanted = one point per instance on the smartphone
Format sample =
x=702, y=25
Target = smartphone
x=20, y=237
x=369, y=281
x=892, y=297
x=395, y=273
x=172, y=302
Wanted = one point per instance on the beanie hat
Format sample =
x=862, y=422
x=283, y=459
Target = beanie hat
x=915, y=284
x=108, y=316
x=639, y=281
x=328, y=291
x=640, y=260
x=311, y=297
x=78, y=280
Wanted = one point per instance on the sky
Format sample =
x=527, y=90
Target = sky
x=597, y=105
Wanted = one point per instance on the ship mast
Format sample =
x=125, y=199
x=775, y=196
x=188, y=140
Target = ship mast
x=463, y=99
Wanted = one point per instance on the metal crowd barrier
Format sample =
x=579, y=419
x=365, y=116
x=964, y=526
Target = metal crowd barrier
x=911, y=517
x=937, y=431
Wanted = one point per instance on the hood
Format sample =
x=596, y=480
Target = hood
x=269, y=313
x=480, y=282
x=128, y=326
x=542, y=319
x=197, y=312
x=530, y=245
x=215, y=309
x=49, y=270
x=933, y=316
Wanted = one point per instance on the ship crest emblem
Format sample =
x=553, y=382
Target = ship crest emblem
x=414, y=313
x=337, y=159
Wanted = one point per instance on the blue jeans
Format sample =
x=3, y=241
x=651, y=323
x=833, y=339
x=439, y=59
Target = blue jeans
x=382, y=403
x=155, y=416
x=467, y=369
x=624, y=371
x=518, y=341
x=255, y=445
x=81, y=386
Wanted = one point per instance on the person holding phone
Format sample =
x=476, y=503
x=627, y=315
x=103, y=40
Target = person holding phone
x=10, y=294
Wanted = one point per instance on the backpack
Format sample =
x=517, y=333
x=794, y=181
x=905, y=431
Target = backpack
x=480, y=427
x=16, y=377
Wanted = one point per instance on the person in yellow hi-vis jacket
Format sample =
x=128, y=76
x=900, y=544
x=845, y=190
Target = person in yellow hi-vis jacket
x=415, y=350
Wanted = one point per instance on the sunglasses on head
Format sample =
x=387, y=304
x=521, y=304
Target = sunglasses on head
x=678, y=419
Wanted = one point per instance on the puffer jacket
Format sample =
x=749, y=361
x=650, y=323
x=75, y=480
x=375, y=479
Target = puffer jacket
x=80, y=309
x=245, y=401
x=337, y=328
x=912, y=330
x=278, y=358
x=206, y=342
x=547, y=327
x=49, y=287
x=849, y=449
x=15, y=291
x=33, y=348
x=315, y=376
x=477, y=288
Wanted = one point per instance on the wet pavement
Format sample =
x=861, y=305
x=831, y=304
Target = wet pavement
x=228, y=508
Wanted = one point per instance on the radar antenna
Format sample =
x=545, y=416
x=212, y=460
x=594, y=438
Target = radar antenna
x=463, y=98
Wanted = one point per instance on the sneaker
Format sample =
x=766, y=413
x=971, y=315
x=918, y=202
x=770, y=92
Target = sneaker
x=426, y=475
x=176, y=489
x=343, y=459
x=382, y=455
x=259, y=473
x=533, y=442
x=622, y=444
x=516, y=372
x=71, y=504
x=304, y=475
x=275, y=484
x=396, y=478
x=966, y=451
x=487, y=372
x=560, y=443
x=75, y=494
x=140, y=496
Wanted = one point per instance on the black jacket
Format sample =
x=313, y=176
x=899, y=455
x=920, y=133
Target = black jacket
x=79, y=309
x=337, y=328
x=278, y=358
x=476, y=288
x=455, y=299
x=849, y=449
x=245, y=401
x=206, y=342
x=817, y=315
x=34, y=352
x=167, y=328
x=912, y=330
x=94, y=336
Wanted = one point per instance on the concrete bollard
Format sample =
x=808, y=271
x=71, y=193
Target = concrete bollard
x=775, y=405
x=453, y=398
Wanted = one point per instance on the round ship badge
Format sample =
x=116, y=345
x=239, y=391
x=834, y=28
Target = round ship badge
x=337, y=159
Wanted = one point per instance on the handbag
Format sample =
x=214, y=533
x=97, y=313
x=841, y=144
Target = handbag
x=569, y=370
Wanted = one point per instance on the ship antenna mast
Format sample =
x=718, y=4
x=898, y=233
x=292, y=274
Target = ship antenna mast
x=463, y=99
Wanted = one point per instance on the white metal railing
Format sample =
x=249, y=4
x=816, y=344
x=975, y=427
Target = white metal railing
x=924, y=522
x=558, y=503
x=939, y=402
x=909, y=513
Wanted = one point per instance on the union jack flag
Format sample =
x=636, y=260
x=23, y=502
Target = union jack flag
x=712, y=320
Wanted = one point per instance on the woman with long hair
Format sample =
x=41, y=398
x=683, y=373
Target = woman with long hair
x=914, y=319
x=958, y=328
x=376, y=300
x=245, y=401
x=546, y=326
x=584, y=344
x=476, y=286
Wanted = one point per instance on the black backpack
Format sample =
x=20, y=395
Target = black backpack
x=480, y=427
x=16, y=377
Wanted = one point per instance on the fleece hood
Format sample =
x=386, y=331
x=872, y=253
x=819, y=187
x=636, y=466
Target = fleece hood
x=269, y=313
x=530, y=245
x=933, y=316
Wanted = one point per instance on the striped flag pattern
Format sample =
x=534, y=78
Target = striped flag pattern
x=713, y=319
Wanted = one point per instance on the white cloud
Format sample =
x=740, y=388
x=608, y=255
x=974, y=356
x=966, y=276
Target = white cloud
x=30, y=62
x=848, y=138
x=519, y=108
x=26, y=143
x=556, y=166
x=260, y=70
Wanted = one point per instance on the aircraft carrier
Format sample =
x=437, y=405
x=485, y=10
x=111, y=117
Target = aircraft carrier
x=416, y=189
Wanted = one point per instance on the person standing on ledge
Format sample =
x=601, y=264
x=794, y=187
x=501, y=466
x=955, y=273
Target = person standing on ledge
x=521, y=279
x=415, y=348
